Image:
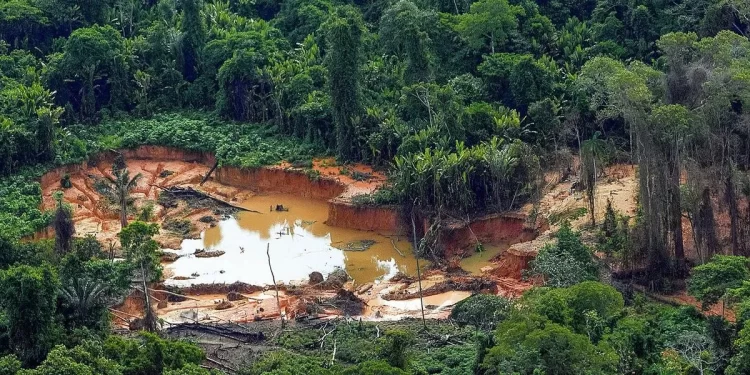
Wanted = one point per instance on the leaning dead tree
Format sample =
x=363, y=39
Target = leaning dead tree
x=275, y=286
x=419, y=271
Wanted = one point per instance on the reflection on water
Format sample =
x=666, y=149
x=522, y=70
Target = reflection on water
x=299, y=242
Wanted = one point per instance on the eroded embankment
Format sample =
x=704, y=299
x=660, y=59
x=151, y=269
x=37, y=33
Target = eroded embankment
x=163, y=167
x=460, y=239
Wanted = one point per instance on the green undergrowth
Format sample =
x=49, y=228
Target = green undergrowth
x=20, y=199
x=442, y=348
x=236, y=144
x=381, y=197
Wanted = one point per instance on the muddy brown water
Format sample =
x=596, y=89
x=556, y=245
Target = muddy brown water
x=300, y=243
x=474, y=263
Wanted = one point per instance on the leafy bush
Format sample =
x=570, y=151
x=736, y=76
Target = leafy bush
x=394, y=348
x=286, y=363
x=710, y=282
x=65, y=181
x=483, y=311
x=374, y=368
x=567, y=262
x=382, y=197
x=492, y=175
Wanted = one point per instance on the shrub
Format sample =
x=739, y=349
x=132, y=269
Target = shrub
x=65, y=182
x=567, y=262
x=393, y=348
x=483, y=311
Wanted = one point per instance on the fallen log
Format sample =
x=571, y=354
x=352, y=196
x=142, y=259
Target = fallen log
x=174, y=294
x=221, y=331
x=220, y=364
x=123, y=313
x=188, y=191
x=396, y=248
x=208, y=175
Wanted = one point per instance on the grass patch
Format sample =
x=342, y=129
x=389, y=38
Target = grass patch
x=567, y=215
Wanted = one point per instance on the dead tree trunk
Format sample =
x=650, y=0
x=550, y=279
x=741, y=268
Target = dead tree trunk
x=149, y=318
x=208, y=175
x=419, y=272
x=275, y=287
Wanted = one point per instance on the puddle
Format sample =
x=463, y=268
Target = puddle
x=474, y=263
x=299, y=241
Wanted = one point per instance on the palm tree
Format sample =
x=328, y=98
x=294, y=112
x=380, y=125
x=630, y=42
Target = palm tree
x=117, y=190
x=84, y=294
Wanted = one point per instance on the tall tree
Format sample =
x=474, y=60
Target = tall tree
x=618, y=92
x=193, y=38
x=344, y=31
x=671, y=127
x=28, y=299
x=401, y=31
x=592, y=152
x=92, y=70
x=141, y=252
x=488, y=23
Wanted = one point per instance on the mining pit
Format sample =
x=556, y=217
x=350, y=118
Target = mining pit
x=215, y=241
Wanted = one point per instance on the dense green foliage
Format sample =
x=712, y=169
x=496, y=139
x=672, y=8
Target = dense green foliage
x=425, y=85
x=566, y=262
x=466, y=103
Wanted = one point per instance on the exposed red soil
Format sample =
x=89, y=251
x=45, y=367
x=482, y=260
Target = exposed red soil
x=279, y=180
x=512, y=262
x=323, y=181
x=347, y=215
x=459, y=239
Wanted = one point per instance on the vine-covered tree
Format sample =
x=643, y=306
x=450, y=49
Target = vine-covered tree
x=64, y=226
x=344, y=31
x=28, y=300
x=193, y=38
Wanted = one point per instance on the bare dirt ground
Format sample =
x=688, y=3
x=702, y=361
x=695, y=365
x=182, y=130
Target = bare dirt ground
x=358, y=178
x=93, y=215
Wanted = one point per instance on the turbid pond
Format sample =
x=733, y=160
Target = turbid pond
x=300, y=243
